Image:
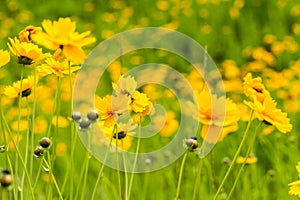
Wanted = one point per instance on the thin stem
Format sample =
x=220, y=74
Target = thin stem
x=197, y=181
x=243, y=165
x=53, y=178
x=19, y=122
x=237, y=153
x=118, y=164
x=88, y=156
x=135, y=158
x=180, y=174
x=19, y=155
x=102, y=167
x=125, y=172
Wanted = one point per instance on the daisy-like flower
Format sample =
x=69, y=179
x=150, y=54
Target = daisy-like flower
x=213, y=115
x=54, y=66
x=250, y=160
x=4, y=57
x=27, y=53
x=110, y=108
x=265, y=107
x=61, y=34
x=125, y=86
x=139, y=103
x=26, y=33
x=14, y=90
x=295, y=186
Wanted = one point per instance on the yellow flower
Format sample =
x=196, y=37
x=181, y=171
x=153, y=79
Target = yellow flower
x=26, y=33
x=216, y=112
x=110, y=108
x=61, y=34
x=250, y=160
x=4, y=57
x=125, y=86
x=14, y=90
x=295, y=186
x=58, y=68
x=139, y=102
x=169, y=127
x=264, y=105
x=27, y=53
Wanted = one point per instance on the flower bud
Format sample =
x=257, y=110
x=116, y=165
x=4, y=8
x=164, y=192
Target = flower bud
x=93, y=115
x=2, y=148
x=121, y=135
x=84, y=124
x=192, y=143
x=76, y=116
x=39, y=151
x=6, y=178
x=45, y=142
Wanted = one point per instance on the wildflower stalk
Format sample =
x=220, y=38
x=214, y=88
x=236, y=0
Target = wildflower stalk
x=118, y=165
x=136, y=156
x=235, y=157
x=27, y=146
x=88, y=156
x=19, y=120
x=180, y=174
x=125, y=172
x=243, y=165
x=19, y=155
x=33, y=119
x=197, y=181
x=102, y=167
x=48, y=166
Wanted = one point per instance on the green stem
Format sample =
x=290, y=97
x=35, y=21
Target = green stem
x=19, y=155
x=19, y=123
x=118, y=165
x=197, y=181
x=180, y=174
x=237, y=153
x=125, y=172
x=88, y=156
x=102, y=167
x=52, y=177
x=243, y=165
x=135, y=158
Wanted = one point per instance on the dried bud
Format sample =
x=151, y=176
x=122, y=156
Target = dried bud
x=121, y=135
x=76, y=116
x=93, y=115
x=192, y=143
x=45, y=142
x=39, y=151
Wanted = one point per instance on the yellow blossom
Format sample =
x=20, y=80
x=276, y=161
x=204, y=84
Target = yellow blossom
x=26, y=33
x=295, y=186
x=4, y=57
x=250, y=160
x=14, y=90
x=170, y=126
x=27, y=53
x=61, y=34
x=139, y=102
x=125, y=86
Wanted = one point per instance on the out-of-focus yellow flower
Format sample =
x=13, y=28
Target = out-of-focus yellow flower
x=250, y=160
x=61, y=34
x=40, y=125
x=58, y=68
x=61, y=149
x=110, y=108
x=295, y=186
x=171, y=125
x=14, y=90
x=4, y=57
x=61, y=121
x=23, y=125
x=25, y=34
x=262, y=103
x=27, y=53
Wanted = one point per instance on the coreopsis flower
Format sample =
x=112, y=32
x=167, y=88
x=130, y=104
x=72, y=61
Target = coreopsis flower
x=264, y=106
x=110, y=108
x=125, y=86
x=61, y=34
x=53, y=66
x=4, y=57
x=26, y=33
x=213, y=115
x=14, y=90
x=139, y=102
x=250, y=160
x=295, y=186
x=27, y=53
